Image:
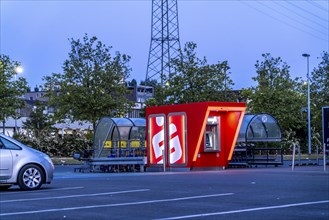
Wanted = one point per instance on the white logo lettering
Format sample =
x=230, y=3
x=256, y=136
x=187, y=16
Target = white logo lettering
x=158, y=140
x=175, y=145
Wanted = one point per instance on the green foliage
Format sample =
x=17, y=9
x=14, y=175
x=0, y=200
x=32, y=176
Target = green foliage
x=92, y=84
x=160, y=94
x=38, y=121
x=279, y=95
x=54, y=145
x=10, y=89
x=133, y=82
x=194, y=80
x=148, y=103
x=319, y=91
x=40, y=135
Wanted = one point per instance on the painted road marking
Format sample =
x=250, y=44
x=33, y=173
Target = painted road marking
x=42, y=190
x=115, y=205
x=73, y=196
x=246, y=210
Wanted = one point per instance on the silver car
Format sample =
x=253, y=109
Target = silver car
x=23, y=166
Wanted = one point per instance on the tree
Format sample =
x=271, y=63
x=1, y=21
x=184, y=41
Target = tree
x=10, y=89
x=38, y=120
x=92, y=84
x=319, y=91
x=194, y=80
x=133, y=82
x=277, y=94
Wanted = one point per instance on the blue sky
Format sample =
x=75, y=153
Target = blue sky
x=36, y=32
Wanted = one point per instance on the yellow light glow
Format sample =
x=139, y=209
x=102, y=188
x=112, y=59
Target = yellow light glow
x=236, y=134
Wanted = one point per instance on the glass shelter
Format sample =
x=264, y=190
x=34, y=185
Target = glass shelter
x=119, y=137
x=259, y=141
x=259, y=128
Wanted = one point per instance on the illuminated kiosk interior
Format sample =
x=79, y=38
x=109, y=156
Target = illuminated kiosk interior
x=191, y=136
x=119, y=137
x=259, y=141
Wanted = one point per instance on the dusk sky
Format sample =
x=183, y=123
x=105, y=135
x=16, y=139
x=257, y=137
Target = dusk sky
x=36, y=33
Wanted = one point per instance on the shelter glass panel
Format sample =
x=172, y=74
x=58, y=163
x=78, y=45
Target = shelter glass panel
x=139, y=121
x=122, y=122
x=244, y=128
x=101, y=133
x=258, y=130
x=262, y=127
x=124, y=132
x=273, y=129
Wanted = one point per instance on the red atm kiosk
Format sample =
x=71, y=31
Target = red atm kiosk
x=192, y=136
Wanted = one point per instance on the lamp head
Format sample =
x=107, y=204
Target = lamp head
x=306, y=55
x=18, y=69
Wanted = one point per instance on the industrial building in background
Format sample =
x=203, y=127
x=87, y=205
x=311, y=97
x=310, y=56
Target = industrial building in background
x=165, y=43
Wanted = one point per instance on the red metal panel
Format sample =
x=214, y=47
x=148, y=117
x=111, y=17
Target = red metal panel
x=177, y=139
x=156, y=138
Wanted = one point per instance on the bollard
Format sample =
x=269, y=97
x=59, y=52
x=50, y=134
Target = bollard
x=299, y=156
x=324, y=157
x=293, y=158
x=317, y=155
x=164, y=160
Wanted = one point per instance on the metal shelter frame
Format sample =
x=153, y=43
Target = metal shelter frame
x=257, y=132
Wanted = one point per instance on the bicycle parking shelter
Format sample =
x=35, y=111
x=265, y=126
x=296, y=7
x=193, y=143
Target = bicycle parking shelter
x=117, y=142
x=259, y=142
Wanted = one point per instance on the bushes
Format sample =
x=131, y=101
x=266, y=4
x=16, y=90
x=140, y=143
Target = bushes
x=53, y=144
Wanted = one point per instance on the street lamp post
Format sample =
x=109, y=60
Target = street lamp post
x=308, y=103
x=18, y=70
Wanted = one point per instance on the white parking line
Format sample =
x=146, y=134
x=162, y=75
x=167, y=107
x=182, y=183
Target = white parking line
x=73, y=196
x=115, y=205
x=42, y=190
x=245, y=210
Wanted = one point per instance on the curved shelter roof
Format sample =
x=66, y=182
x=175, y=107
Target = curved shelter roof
x=118, y=129
x=259, y=128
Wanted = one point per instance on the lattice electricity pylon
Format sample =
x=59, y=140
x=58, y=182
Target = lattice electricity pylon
x=165, y=43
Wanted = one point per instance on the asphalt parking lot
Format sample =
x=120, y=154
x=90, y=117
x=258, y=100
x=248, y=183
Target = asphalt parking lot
x=249, y=193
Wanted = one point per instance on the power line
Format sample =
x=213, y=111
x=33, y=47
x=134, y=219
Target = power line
x=318, y=6
x=281, y=21
x=317, y=16
x=300, y=15
x=293, y=19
